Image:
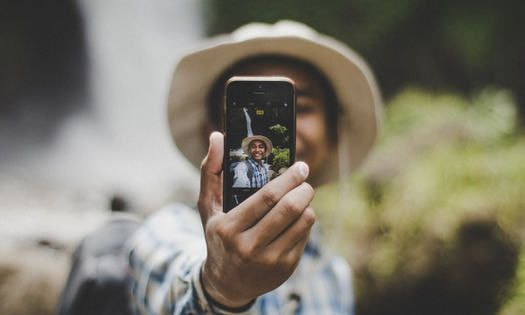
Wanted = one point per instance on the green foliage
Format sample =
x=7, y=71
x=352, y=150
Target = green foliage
x=443, y=192
x=442, y=195
x=281, y=158
x=454, y=45
x=280, y=136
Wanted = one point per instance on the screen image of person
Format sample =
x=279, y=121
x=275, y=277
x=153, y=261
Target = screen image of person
x=253, y=171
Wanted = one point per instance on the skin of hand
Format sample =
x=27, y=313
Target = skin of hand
x=256, y=246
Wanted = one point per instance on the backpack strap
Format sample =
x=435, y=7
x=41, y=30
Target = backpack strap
x=249, y=173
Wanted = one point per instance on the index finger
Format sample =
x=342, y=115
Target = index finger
x=257, y=205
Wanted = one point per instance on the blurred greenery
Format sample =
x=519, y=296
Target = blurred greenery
x=434, y=222
x=445, y=45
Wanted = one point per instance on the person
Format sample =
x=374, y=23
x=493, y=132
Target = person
x=265, y=255
x=253, y=172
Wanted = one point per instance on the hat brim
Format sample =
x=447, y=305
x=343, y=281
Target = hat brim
x=351, y=79
x=245, y=144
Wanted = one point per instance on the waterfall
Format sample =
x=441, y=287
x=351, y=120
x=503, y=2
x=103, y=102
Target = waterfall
x=248, y=122
x=119, y=144
x=132, y=46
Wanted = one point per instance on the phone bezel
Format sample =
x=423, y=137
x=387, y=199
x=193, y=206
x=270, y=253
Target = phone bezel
x=242, y=88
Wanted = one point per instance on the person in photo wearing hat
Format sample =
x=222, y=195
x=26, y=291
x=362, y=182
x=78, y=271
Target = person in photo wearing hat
x=253, y=172
x=264, y=256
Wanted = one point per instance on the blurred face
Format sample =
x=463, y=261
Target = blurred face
x=257, y=149
x=312, y=145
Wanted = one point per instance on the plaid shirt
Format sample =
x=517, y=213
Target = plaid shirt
x=250, y=174
x=166, y=254
x=259, y=174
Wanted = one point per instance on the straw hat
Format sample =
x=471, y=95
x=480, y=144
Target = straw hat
x=351, y=79
x=246, y=144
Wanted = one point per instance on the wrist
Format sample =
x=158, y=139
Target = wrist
x=217, y=296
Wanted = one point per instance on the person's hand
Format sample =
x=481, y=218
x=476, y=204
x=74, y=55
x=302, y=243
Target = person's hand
x=256, y=246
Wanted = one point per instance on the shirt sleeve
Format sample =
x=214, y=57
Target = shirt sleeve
x=240, y=176
x=165, y=259
x=343, y=285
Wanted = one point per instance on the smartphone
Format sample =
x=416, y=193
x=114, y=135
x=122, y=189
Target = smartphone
x=259, y=142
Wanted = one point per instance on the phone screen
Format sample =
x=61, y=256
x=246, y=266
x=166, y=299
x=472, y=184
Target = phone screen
x=260, y=134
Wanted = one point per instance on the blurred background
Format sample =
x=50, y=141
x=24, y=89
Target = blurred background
x=432, y=224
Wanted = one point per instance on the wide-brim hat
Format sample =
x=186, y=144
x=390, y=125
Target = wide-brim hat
x=245, y=144
x=352, y=80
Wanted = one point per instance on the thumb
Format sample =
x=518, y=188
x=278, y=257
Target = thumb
x=210, y=197
x=212, y=163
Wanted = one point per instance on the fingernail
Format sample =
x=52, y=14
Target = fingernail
x=210, y=140
x=303, y=169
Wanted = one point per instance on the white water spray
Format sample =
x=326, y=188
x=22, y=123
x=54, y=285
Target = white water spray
x=248, y=122
x=121, y=143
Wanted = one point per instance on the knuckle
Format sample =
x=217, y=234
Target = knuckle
x=223, y=231
x=309, y=216
x=291, y=261
x=246, y=253
x=269, y=197
x=243, y=255
x=271, y=259
x=290, y=207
